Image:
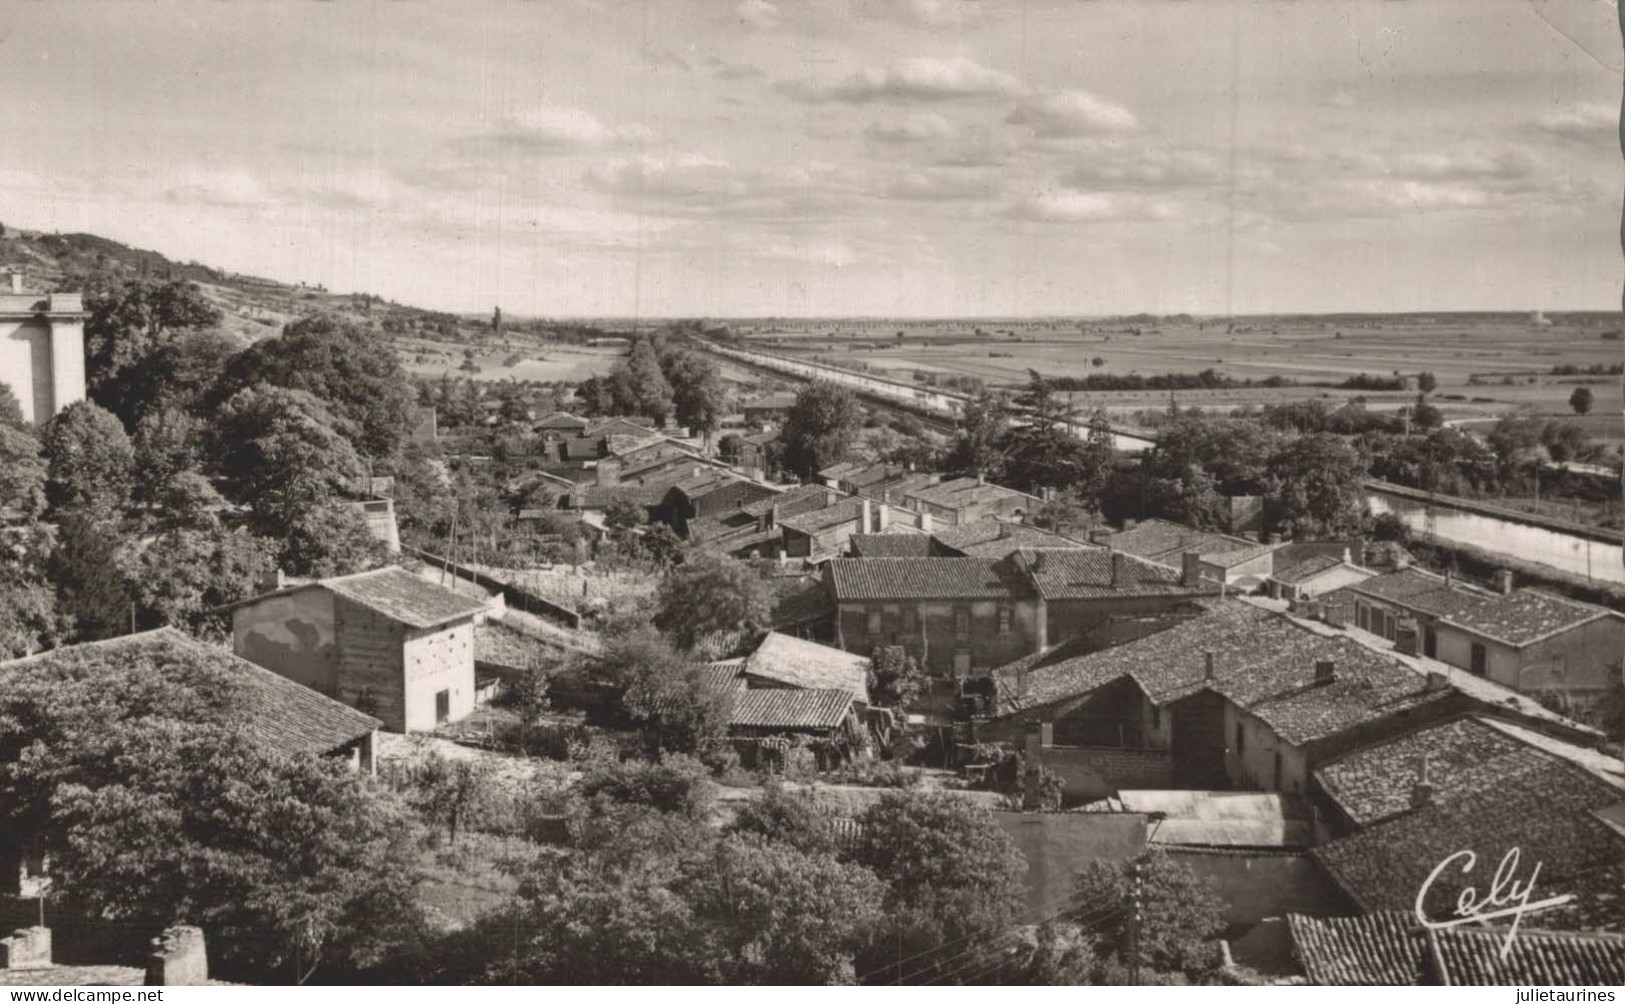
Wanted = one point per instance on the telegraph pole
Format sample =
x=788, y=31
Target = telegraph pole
x=1134, y=927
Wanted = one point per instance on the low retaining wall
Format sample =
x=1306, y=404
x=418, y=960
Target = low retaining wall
x=1092, y=772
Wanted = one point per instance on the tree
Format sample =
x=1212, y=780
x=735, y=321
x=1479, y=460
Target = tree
x=699, y=397
x=91, y=460
x=950, y=872
x=674, y=784
x=1426, y=382
x=1044, y=452
x=194, y=568
x=622, y=516
x=1581, y=400
x=683, y=704
x=11, y=410
x=1314, y=487
x=791, y=817
x=349, y=367
x=283, y=457
x=329, y=540
x=23, y=472
x=87, y=568
x=713, y=593
x=1425, y=415
x=896, y=678
x=978, y=446
x=130, y=327
x=1180, y=912
x=129, y=768
x=820, y=428
x=453, y=793
x=651, y=393
x=168, y=442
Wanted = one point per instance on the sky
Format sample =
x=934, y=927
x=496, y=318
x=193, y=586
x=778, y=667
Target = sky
x=726, y=158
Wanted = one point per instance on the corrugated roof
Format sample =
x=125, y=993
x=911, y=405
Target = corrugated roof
x=790, y=709
x=403, y=597
x=809, y=665
x=925, y=578
x=278, y=714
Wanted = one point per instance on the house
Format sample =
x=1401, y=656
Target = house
x=1092, y=592
x=896, y=542
x=386, y=641
x=708, y=492
x=560, y=425
x=995, y=538
x=42, y=348
x=1480, y=784
x=958, y=616
x=1315, y=575
x=1528, y=641
x=754, y=452
x=781, y=660
x=769, y=408
x=604, y=428
x=278, y=714
x=1237, y=696
x=966, y=500
x=1231, y=560
x=1389, y=948
x=751, y=529
x=824, y=532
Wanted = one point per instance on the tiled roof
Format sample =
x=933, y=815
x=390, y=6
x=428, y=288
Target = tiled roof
x=925, y=578
x=561, y=420
x=1518, y=618
x=1164, y=540
x=1086, y=573
x=800, y=601
x=1380, y=950
x=874, y=474
x=891, y=545
x=1531, y=800
x=844, y=511
x=809, y=665
x=962, y=492
x=1389, y=948
x=773, y=708
x=1264, y=662
x=278, y=714
x=994, y=538
x=403, y=597
x=837, y=471
x=619, y=426
x=897, y=491
x=600, y=496
x=1306, y=569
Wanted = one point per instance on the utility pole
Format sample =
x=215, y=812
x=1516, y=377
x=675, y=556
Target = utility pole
x=1134, y=926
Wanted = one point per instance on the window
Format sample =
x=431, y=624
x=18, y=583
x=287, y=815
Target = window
x=1241, y=739
x=1480, y=659
x=1156, y=717
x=908, y=618
x=1278, y=770
x=1362, y=616
x=961, y=624
x=1004, y=620
x=874, y=622
x=442, y=707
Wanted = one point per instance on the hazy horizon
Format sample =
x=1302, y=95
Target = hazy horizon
x=842, y=159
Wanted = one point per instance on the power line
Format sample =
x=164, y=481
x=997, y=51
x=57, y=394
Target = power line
x=1095, y=919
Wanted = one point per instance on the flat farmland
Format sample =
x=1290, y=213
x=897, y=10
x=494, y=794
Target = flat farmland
x=545, y=361
x=1485, y=364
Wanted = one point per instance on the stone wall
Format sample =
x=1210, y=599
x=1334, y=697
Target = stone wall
x=27, y=948
x=1096, y=772
x=178, y=959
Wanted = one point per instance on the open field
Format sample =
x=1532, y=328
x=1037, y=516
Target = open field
x=543, y=361
x=1485, y=363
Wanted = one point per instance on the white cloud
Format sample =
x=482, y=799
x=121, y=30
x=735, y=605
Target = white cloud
x=1072, y=113
x=1069, y=205
x=758, y=14
x=919, y=79
x=917, y=128
x=1583, y=121
x=218, y=186
x=924, y=13
x=562, y=130
x=939, y=184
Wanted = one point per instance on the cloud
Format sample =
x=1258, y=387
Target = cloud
x=562, y=130
x=923, y=13
x=1114, y=165
x=937, y=184
x=759, y=14
x=1071, y=205
x=1340, y=99
x=1587, y=121
x=723, y=69
x=918, y=128
x=911, y=80
x=1070, y=114
x=699, y=185
x=216, y=186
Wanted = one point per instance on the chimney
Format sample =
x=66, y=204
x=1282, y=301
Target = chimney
x=1098, y=534
x=925, y=521
x=1422, y=790
x=1038, y=561
x=1004, y=530
x=772, y=516
x=1449, y=578
x=608, y=474
x=1348, y=559
x=830, y=498
x=1402, y=559
x=866, y=524
x=1191, y=569
x=883, y=516
x=1325, y=671
x=1503, y=581
x=1436, y=680
x=1119, y=570
x=16, y=283
x=981, y=479
x=1210, y=670
x=273, y=581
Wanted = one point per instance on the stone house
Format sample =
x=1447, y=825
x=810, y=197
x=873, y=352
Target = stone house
x=387, y=642
x=42, y=348
x=1525, y=640
x=966, y=500
x=751, y=529
x=1231, y=560
x=825, y=532
x=708, y=492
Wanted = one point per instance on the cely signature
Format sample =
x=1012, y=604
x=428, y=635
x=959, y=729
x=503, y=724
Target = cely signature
x=1506, y=896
